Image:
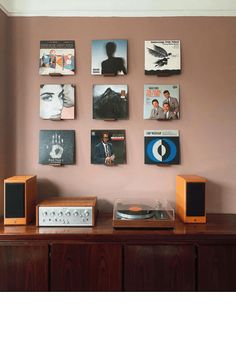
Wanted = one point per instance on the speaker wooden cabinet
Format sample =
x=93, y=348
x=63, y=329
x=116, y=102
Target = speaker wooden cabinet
x=19, y=199
x=192, y=257
x=190, y=198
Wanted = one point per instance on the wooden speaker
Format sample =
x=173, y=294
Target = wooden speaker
x=19, y=200
x=190, y=198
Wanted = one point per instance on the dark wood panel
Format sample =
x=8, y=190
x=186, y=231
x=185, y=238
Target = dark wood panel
x=23, y=268
x=86, y=267
x=160, y=268
x=217, y=268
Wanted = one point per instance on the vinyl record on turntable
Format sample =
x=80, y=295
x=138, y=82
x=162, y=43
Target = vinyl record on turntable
x=134, y=211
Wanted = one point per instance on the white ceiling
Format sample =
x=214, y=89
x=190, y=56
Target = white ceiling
x=119, y=7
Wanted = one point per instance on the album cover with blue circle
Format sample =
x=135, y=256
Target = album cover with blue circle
x=161, y=147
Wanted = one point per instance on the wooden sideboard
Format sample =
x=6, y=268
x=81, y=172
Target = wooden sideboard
x=194, y=257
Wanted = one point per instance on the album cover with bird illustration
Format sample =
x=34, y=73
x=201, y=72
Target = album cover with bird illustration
x=162, y=57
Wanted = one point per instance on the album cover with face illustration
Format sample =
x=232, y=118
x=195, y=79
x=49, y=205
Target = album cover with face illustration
x=110, y=102
x=109, y=57
x=108, y=147
x=57, y=58
x=57, y=101
x=57, y=147
x=161, y=102
x=161, y=147
x=162, y=57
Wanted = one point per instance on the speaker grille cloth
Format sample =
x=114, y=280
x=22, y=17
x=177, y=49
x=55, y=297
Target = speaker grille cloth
x=14, y=200
x=195, y=199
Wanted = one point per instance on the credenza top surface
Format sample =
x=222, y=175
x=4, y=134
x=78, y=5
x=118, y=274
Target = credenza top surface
x=218, y=226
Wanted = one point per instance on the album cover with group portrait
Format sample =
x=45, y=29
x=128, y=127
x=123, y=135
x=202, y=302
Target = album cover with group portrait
x=161, y=102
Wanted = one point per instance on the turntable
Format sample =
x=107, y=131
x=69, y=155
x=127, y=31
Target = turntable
x=133, y=213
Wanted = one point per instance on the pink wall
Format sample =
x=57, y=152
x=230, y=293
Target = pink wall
x=3, y=106
x=207, y=91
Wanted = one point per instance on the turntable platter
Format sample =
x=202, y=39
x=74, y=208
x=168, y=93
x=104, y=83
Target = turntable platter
x=134, y=211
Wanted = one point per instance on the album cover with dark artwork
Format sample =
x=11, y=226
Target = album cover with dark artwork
x=110, y=102
x=57, y=101
x=162, y=57
x=161, y=147
x=161, y=102
x=57, y=147
x=57, y=58
x=109, y=57
x=108, y=147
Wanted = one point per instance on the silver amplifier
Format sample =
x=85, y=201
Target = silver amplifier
x=67, y=212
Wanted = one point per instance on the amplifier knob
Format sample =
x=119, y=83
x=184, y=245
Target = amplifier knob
x=76, y=213
x=60, y=213
x=52, y=213
x=68, y=213
x=86, y=213
x=45, y=213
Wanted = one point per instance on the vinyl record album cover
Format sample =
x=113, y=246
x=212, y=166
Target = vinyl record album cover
x=110, y=102
x=57, y=147
x=161, y=147
x=161, y=102
x=57, y=57
x=109, y=57
x=57, y=101
x=162, y=57
x=108, y=147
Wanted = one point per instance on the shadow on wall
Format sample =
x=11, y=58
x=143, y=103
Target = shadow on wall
x=214, y=189
x=47, y=189
x=105, y=206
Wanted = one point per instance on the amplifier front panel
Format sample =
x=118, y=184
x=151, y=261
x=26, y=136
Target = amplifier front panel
x=65, y=216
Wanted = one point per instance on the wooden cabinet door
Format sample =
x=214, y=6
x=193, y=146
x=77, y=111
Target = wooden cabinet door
x=217, y=268
x=159, y=268
x=86, y=267
x=23, y=267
